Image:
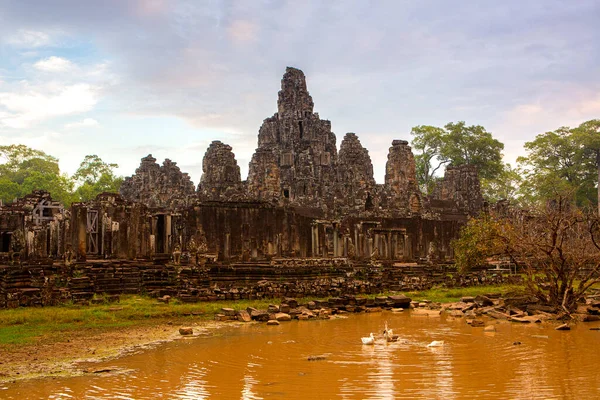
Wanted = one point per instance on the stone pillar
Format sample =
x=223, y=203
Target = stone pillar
x=254, y=251
x=82, y=233
x=226, y=251
x=152, y=244
x=360, y=246
x=356, y=240
x=114, y=237
x=335, y=243
x=279, y=245
x=59, y=239
x=315, y=240
x=168, y=236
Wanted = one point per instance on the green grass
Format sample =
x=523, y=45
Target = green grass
x=443, y=295
x=23, y=326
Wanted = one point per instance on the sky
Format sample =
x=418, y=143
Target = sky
x=125, y=78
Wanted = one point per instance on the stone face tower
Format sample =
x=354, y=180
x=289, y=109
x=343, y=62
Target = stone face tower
x=294, y=96
x=401, y=177
x=220, y=172
x=296, y=156
x=354, y=174
x=159, y=186
x=461, y=185
x=297, y=164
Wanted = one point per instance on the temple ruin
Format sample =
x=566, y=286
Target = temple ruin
x=302, y=200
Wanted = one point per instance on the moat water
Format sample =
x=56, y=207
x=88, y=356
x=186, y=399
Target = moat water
x=262, y=362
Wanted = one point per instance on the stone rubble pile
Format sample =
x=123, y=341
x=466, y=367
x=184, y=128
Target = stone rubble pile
x=518, y=308
x=290, y=309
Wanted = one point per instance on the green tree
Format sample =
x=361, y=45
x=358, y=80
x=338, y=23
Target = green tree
x=428, y=141
x=92, y=168
x=24, y=169
x=473, y=145
x=587, y=135
x=59, y=186
x=9, y=190
x=505, y=186
x=456, y=144
x=477, y=242
x=95, y=176
x=562, y=161
x=14, y=155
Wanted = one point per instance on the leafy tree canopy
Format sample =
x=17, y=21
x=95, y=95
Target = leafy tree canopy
x=561, y=161
x=92, y=168
x=455, y=144
x=23, y=169
x=95, y=176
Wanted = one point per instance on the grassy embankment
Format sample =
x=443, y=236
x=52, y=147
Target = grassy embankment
x=26, y=326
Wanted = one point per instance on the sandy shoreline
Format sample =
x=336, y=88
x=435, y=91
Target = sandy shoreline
x=78, y=351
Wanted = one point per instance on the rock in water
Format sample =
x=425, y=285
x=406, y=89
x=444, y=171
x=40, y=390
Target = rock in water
x=186, y=331
x=243, y=316
x=282, y=317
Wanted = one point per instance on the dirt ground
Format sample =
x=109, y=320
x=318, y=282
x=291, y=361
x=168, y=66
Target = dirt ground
x=77, y=352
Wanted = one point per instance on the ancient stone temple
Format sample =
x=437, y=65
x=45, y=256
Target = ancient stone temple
x=306, y=216
x=296, y=157
x=301, y=200
x=355, y=181
x=221, y=179
x=159, y=186
x=461, y=186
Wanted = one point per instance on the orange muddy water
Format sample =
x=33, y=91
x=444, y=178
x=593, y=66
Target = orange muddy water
x=258, y=361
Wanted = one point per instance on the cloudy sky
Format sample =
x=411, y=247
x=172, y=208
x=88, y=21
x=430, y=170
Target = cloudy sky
x=122, y=79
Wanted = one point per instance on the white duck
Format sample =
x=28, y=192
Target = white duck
x=369, y=339
x=388, y=334
x=436, y=343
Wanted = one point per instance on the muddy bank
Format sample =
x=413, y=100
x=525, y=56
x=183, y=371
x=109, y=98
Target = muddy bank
x=78, y=351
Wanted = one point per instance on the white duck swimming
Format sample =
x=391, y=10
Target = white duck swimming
x=369, y=339
x=436, y=343
x=388, y=334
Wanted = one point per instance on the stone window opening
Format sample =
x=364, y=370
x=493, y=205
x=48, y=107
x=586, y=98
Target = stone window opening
x=286, y=193
x=5, y=242
x=301, y=129
x=368, y=202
